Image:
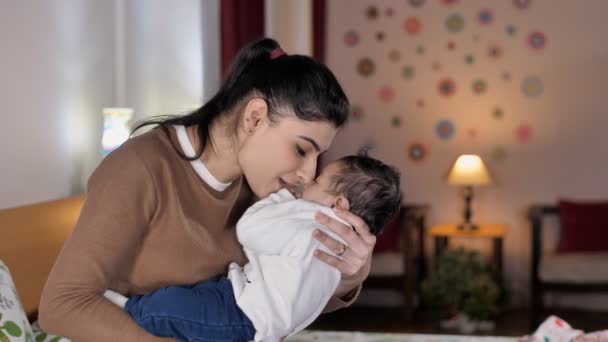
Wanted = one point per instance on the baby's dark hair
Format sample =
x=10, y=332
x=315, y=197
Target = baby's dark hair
x=371, y=187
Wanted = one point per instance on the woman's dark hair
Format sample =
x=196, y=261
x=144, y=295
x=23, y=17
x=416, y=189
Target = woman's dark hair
x=371, y=187
x=288, y=82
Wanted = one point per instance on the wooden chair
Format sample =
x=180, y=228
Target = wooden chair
x=409, y=258
x=537, y=214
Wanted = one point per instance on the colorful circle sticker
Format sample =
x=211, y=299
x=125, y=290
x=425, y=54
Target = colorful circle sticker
x=479, y=87
x=506, y=76
x=416, y=3
x=420, y=49
x=537, y=40
x=446, y=87
x=412, y=25
x=396, y=121
x=372, y=12
x=351, y=38
x=469, y=59
x=485, y=16
x=394, y=55
x=420, y=103
x=357, y=112
x=416, y=152
x=524, y=133
x=445, y=129
x=454, y=23
x=380, y=36
x=436, y=66
x=511, y=30
x=386, y=93
x=365, y=66
x=389, y=12
x=532, y=86
x=408, y=72
x=522, y=4
x=498, y=153
x=494, y=52
x=498, y=113
x=451, y=45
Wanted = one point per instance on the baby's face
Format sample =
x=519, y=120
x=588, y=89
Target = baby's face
x=318, y=190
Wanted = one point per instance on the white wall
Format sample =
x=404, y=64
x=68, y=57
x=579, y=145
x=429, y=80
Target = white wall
x=60, y=67
x=567, y=154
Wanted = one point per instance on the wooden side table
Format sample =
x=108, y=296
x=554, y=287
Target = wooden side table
x=496, y=232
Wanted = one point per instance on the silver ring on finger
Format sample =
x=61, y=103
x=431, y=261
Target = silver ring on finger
x=344, y=248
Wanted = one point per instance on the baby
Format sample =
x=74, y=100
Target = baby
x=283, y=288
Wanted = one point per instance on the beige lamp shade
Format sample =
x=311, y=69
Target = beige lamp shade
x=469, y=169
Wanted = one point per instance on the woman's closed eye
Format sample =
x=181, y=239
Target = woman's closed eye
x=300, y=151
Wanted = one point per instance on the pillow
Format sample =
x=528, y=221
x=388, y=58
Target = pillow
x=388, y=240
x=584, y=226
x=14, y=325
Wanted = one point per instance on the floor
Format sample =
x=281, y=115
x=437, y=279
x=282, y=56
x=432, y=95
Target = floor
x=510, y=323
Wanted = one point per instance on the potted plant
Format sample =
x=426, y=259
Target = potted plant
x=462, y=289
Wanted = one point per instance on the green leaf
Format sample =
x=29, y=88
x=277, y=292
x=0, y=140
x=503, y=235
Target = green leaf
x=3, y=337
x=41, y=337
x=12, y=329
x=55, y=339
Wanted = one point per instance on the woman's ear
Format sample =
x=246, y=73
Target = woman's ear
x=341, y=202
x=254, y=114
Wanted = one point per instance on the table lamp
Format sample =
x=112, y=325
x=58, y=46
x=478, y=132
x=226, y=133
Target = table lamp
x=467, y=171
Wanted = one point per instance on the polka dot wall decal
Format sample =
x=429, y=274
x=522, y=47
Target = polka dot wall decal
x=469, y=59
x=497, y=113
x=420, y=103
x=506, y=76
x=416, y=3
x=394, y=55
x=446, y=87
x=537, y=40
x=511, y=30
x=371, y=13
x=436, y=66
x=454, y=23
x=522, y=4
x=479, y=87
x=472, y=134
x=357, y=112
x=386, y=93
x=524, y=133
x=396, y=121
x=408, y=72
x=445, y=129
x=389, y=12
x=498, y=153
x=365, y=67
x=532, y=86
x=449, y=2
x=420, y=50
x=451, y=45
x=380, y=36
x=494, y=52
x=412, y=25
x=417, y=152
x=351, y=38
x=485, y=16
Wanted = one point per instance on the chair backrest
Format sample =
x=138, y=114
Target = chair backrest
x=30, y=240
x=546, y=217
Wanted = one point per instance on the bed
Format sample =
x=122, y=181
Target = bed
x=30, y=239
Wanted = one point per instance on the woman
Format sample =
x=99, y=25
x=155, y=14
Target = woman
x=161, y=209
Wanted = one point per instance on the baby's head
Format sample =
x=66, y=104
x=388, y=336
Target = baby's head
x=363, y=185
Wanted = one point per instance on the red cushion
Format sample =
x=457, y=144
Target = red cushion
x=584, y=226
x=388, y=240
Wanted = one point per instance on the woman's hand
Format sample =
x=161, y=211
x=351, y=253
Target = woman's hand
x=356, y=258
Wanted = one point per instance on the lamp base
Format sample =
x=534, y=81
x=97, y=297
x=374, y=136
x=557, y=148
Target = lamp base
x=468, y=226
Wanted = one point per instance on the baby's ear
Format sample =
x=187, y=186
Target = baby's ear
x=341, y=202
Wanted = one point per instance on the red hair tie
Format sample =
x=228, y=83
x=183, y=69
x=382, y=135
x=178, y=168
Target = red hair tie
x=276, y=53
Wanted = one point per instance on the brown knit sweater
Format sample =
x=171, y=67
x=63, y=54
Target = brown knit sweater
x=149, y=221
